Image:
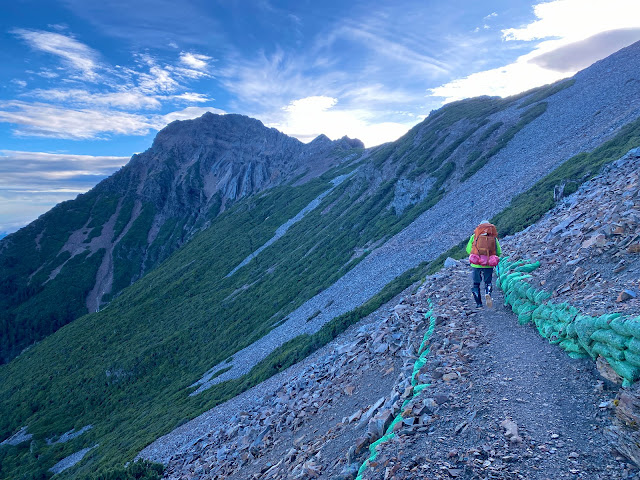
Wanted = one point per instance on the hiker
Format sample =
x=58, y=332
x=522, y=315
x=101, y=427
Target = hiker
x=484, y=252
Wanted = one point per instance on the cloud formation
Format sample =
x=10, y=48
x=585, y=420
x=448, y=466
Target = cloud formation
x=194, y=60
x=55, y=121
x=570, y=35
x=73, y=53
x=114, y=106
x=33, y=182
x=578, y=55
x=306, y=118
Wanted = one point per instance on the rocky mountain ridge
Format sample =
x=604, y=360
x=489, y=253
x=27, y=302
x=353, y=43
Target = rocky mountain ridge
x=483, y=414
x=566, y=128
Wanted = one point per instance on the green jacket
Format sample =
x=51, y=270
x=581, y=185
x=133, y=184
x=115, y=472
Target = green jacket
x=470, y=244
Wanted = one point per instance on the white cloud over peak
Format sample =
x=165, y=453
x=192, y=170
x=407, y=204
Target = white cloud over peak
x=571, y=35
x=306, y=118
x=73, y=53
x=186, y=114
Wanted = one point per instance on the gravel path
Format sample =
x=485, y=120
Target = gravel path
x=553, y=399
x=507, y=372
x=568, y=127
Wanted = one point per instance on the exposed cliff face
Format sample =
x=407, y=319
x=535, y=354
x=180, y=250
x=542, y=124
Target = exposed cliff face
x=79, y=255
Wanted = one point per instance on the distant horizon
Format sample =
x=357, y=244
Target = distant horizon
x=84, y=86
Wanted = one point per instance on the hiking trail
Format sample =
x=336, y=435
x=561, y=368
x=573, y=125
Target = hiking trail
x=483, y=368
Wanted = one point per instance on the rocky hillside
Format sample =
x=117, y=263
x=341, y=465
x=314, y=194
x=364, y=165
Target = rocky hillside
x=277, y=274
x=500, y=401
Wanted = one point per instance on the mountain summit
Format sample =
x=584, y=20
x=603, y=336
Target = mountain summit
x=83, y=252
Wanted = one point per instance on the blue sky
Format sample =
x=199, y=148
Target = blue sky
x=85, y=83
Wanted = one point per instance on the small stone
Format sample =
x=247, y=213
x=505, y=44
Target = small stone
x=440, y=398
x=361, y=444
x=511, y=431
x=626, y=295
x=356, y=416
x=634, y=248
x=448, y=377
x=621, y=266
x=450, y=262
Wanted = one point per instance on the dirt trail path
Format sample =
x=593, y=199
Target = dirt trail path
x=508, y=372
x=552, y=398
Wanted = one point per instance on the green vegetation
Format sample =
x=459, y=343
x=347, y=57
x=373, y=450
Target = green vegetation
x=138, y=470
x=123, y=217
x=129, y=252
x=34, y=304
x=528, y=207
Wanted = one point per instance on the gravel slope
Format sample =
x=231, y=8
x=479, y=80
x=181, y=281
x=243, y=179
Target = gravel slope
x=578, y=119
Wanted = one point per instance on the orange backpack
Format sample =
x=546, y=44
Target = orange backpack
x=484, y=240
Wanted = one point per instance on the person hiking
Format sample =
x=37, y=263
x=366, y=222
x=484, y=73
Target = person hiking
x=484, y=252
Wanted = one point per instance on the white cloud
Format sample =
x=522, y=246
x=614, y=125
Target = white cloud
x=573, y=20
x=195, y=60
x=37, y=168
x=130, y=99
x=46, y=120
x=157, y=80
x=559, y=24
x=74, y=54
x=20, y=83
x=306, y=118
x=46, y=73
x=192, y=97
x=394, y=49
x=33, y=182
x=504, y=81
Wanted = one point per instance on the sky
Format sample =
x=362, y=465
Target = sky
x=85, y=84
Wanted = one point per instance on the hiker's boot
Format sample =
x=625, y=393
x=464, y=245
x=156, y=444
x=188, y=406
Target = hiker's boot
x=476, y=294
x=487, y=295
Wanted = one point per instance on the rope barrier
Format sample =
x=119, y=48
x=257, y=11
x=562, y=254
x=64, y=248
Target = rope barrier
x=423, y=352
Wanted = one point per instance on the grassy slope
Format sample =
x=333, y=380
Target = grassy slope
x=29, y=311
x=128, y=377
